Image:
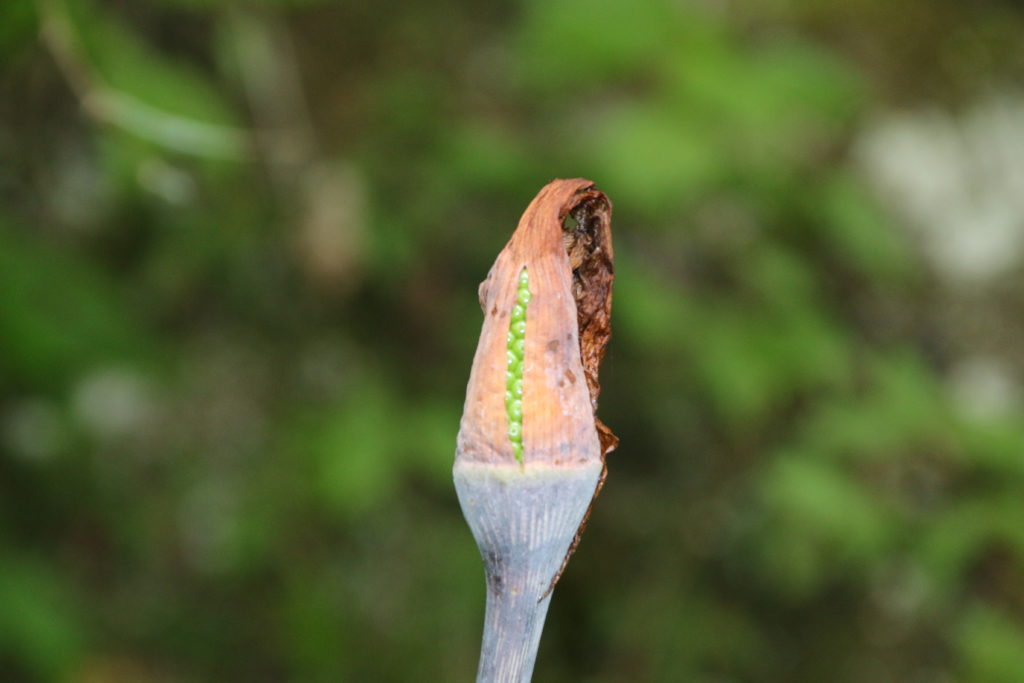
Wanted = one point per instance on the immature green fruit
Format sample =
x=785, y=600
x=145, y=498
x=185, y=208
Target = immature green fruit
x=514, y=371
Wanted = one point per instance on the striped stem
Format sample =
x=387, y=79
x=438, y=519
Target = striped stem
x=524, y=522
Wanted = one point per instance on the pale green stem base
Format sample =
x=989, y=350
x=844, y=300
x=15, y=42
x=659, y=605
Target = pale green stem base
x=524, y=521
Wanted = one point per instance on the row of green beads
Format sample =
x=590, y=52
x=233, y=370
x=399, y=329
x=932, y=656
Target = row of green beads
x=514, y=371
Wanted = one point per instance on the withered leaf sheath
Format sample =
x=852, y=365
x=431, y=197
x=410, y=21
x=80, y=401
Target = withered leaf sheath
x=526, y=489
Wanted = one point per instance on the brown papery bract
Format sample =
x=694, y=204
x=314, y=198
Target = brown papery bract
x=570, y=271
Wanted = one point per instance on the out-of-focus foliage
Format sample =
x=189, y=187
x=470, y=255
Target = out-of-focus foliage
x=239, y=250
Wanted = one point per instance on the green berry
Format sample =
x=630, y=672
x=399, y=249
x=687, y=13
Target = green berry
x=514, y=356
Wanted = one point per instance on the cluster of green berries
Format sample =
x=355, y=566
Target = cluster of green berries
x=514, y=371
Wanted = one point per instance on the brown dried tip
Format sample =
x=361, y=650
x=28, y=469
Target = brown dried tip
x=564, y=242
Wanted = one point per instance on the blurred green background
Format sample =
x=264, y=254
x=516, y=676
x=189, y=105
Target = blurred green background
x=239, y=250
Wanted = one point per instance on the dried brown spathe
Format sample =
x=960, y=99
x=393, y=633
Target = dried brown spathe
x=568, y=326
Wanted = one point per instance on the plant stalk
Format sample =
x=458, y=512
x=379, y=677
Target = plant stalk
x=524, y=521
x=529, y=457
